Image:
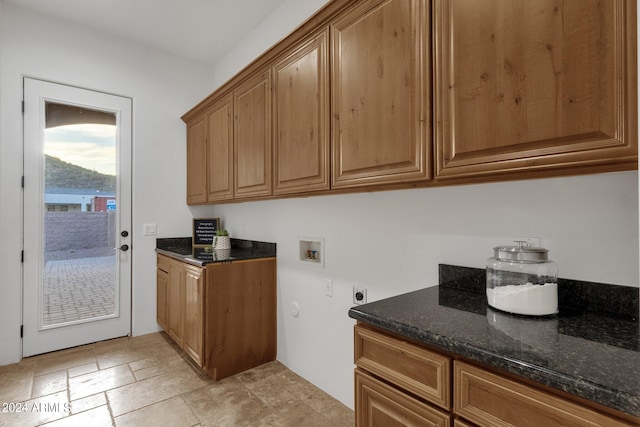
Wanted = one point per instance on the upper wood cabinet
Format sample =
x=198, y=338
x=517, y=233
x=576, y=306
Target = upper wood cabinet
x=348, y=101
x=301, y=117
x=220, y=144
x=252, y=137
x=197, y=161
x=528, y=85
x=381, y=93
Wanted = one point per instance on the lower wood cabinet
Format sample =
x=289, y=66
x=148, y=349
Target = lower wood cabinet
x=398, y=383
x=240, y=313
x=223, y=316
x=381, y=404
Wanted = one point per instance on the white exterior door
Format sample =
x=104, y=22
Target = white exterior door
x=77, y=216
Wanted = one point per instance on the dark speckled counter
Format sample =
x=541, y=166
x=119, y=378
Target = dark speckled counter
x=180, y=248
x=590, y=355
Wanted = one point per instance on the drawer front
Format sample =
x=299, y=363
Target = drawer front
x=487, y=399
x=410, y=367
x=382, y=405
x=162, y=263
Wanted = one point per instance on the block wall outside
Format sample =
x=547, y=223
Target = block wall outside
x=70, y=235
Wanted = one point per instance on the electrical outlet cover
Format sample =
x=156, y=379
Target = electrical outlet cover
x=359, y=295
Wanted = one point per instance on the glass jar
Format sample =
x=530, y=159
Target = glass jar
x=522, y=280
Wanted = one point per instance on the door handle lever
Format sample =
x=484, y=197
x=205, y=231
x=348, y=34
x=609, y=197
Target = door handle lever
x=123, y=248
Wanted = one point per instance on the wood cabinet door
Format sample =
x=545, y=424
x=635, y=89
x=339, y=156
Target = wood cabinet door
x=378, y=404
x=380, y=93
x=301, y=117
x=193, y=312
x=220, y=164
x=197, y=161
x=534, y=85
x=175, y=302
x=162, y=281
x=252, y=137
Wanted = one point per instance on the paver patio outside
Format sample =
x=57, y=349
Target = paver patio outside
x=80, y=288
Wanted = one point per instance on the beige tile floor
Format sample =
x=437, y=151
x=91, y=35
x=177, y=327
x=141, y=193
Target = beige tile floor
x=148, y=381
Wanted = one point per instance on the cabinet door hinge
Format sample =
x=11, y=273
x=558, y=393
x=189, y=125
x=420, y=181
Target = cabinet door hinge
x=21, y=331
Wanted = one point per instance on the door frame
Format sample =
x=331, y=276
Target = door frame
x=36, y=338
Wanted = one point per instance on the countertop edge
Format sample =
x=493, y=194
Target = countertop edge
x=182, y=258
x=572, y=385
x=189, y=260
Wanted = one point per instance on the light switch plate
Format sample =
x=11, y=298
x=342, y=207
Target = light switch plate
x=149, y=229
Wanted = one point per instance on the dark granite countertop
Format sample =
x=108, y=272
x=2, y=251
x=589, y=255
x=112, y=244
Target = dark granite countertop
x=586, y=354
x=180, y=248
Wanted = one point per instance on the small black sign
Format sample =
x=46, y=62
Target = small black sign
x=203, y=231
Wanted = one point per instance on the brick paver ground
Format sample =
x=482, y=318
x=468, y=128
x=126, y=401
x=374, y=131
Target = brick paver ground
x=80, y=288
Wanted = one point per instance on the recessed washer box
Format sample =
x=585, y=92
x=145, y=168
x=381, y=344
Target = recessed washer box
x=312, y=250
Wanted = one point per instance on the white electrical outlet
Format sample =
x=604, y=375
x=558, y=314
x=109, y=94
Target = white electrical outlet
x=328, y=288
x=295, y=309
x=359, y=295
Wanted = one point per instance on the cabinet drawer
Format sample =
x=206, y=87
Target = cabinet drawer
x=487, y=399
x=412, y=368
x=381, y=404
x=162, y=263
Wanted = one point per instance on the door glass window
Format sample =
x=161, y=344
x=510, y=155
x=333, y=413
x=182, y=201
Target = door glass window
x=79, y=215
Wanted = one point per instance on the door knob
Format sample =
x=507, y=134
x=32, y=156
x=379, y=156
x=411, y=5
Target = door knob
x=123, y=248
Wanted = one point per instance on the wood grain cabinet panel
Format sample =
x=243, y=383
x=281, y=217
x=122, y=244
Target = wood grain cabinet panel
x=220, y=146
x=459, y=423
x=380, y=93
x=381, y=405
x=528, y=86
x=197, y=161
x=176, y=301
x=162, y=281
x=488, y=399
x=193, y=312
x=240, y=324
x=301, y=117
x=252, y=137
x=415, y=369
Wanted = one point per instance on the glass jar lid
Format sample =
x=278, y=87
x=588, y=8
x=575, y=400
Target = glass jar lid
x=521, y=252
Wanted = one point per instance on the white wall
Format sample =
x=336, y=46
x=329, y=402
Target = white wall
x=589, y=223
x=163, y=87
x=392, y=242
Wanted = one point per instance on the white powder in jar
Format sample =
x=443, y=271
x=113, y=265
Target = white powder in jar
x=531, y=299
